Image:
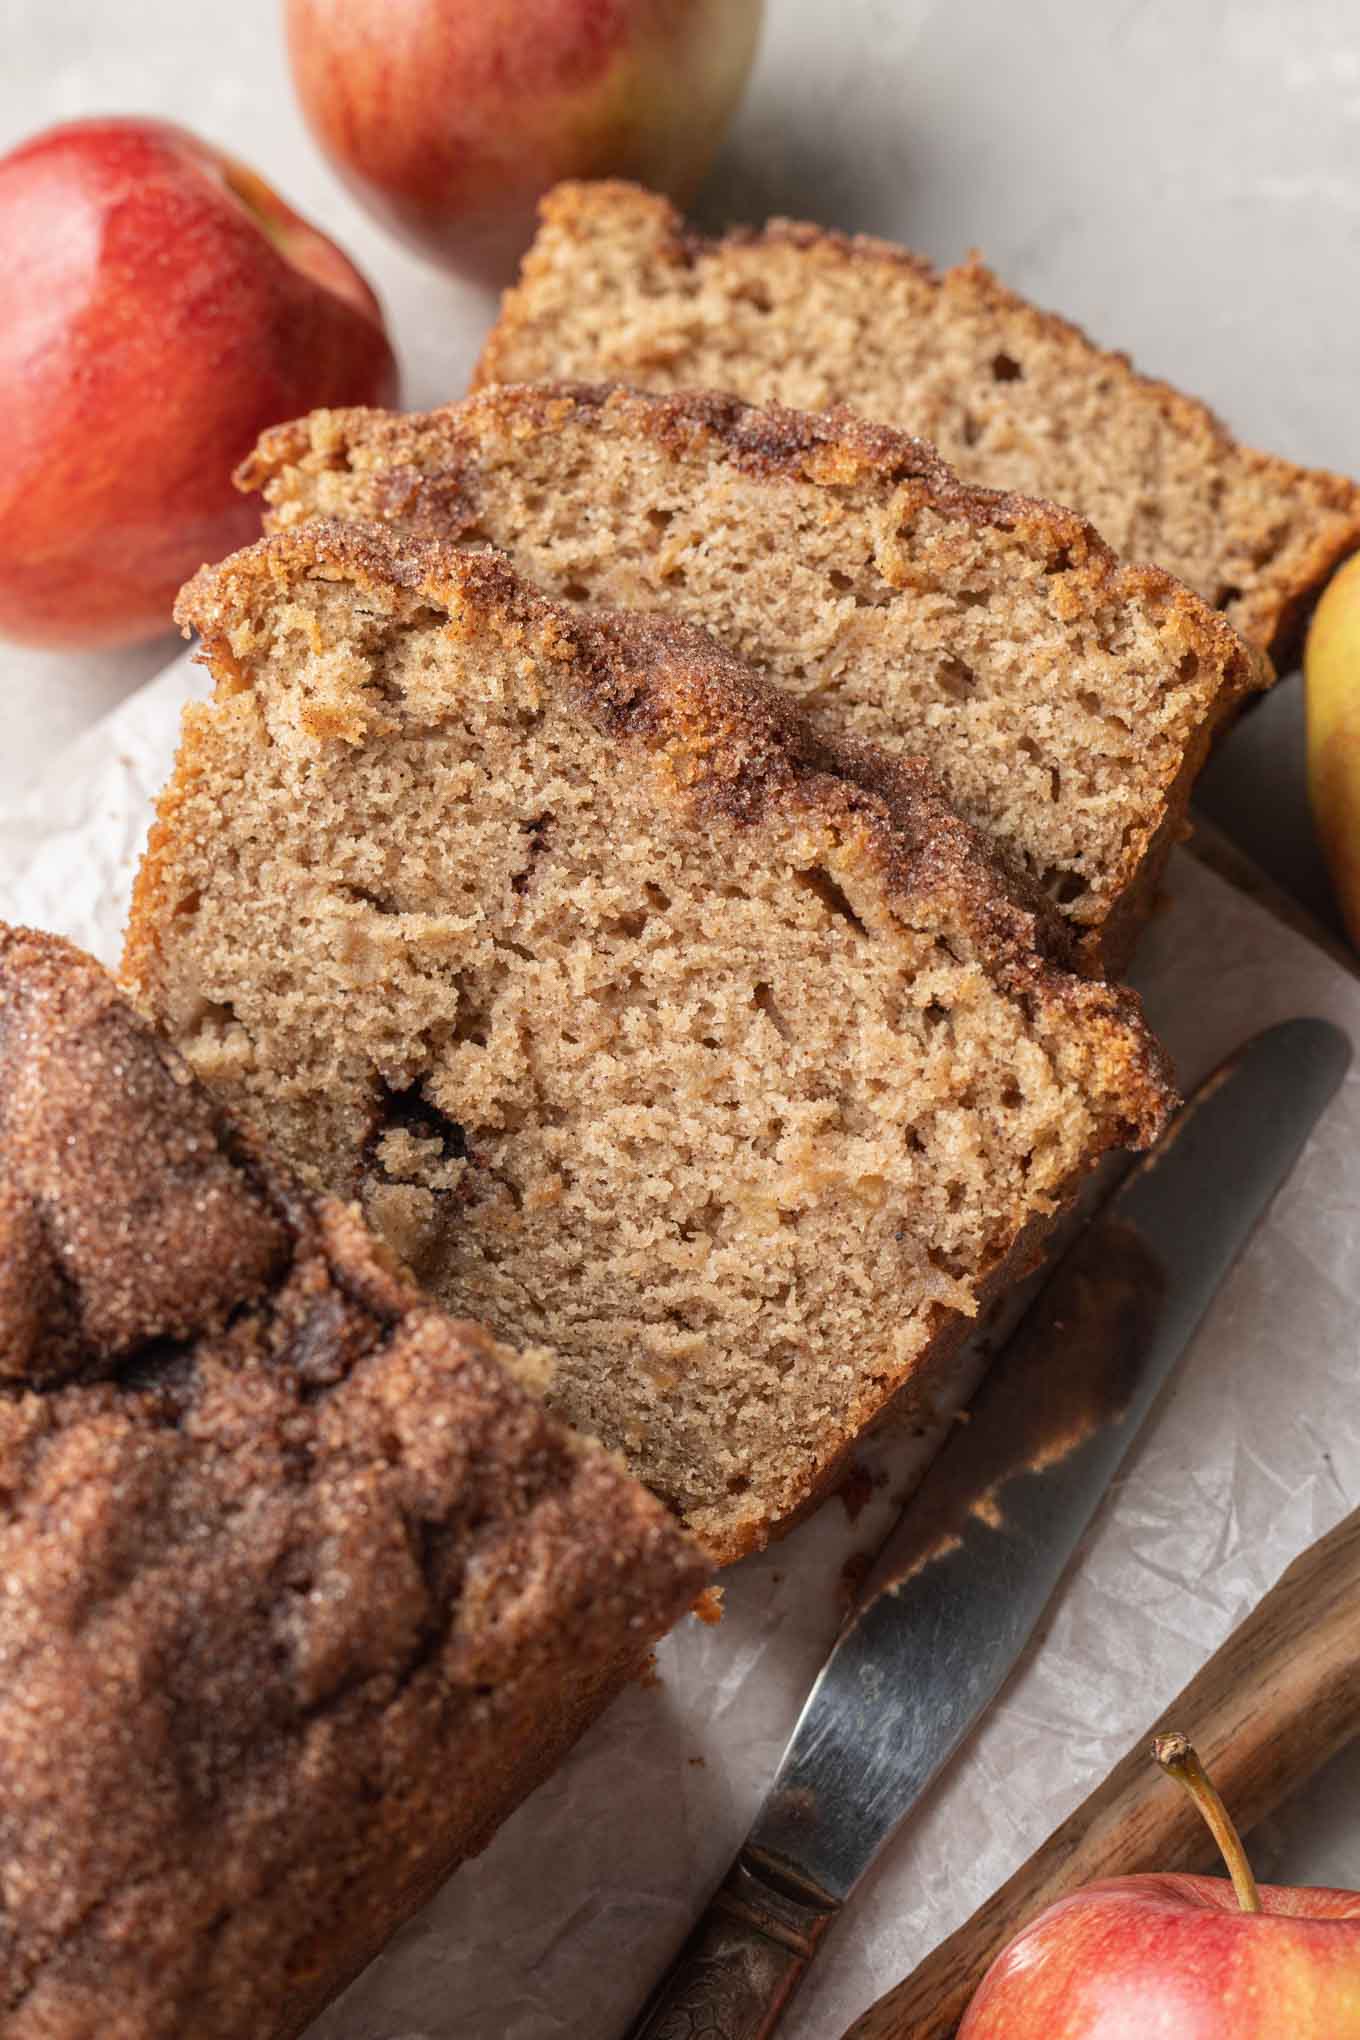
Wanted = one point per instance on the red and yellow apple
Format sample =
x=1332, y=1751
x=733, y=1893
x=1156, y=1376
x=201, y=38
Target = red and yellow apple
x=161, y=306
x=1180, y=1957
x=1331, y=668
x=450, y=118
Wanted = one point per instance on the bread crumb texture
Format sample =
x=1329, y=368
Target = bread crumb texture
x=301, y=1592
x=731, y=1067
x=618, y=288
x=1065, y=702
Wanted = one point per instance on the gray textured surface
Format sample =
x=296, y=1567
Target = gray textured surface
x=1182, y=176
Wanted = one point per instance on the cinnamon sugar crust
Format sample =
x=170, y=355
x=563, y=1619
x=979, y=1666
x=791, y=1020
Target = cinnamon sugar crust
x=303, y=1591
x=617, y=287
x=1065, y=701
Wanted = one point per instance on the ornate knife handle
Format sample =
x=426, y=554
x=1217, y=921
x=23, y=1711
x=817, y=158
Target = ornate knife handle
x=742, y=1963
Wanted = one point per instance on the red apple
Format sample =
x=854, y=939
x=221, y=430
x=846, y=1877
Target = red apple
x=450, y=118
x=1178, y=1957
x=161, y=306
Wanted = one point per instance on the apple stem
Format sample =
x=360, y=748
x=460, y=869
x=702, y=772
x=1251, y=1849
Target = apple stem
x=1177, y=1758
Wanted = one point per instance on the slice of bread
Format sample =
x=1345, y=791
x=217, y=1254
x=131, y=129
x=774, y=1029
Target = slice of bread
x=618, y=288
x=1066, y=702
x=303, y=1592
x=733, y=1069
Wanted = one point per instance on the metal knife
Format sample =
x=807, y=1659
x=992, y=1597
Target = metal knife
x=963, y=1579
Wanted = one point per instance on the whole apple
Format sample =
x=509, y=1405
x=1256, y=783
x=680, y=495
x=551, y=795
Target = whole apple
x=161, y=306
x=452, y=117
x=1176, y=1957
x=1331, y=667
x=1172, y=1955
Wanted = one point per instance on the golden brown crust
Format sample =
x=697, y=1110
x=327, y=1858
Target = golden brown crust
x=732, y=748
x=421, y=473
x=304, y=1593
x=77, y=1283
x=1268, y=614
x=835, y=448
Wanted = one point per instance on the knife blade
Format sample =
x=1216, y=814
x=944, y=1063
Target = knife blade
x=961, y=1583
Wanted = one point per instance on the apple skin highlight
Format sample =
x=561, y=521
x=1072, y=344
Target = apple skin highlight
x=1172, y=1957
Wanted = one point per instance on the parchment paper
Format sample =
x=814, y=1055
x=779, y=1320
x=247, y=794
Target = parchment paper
x=1255, y=1451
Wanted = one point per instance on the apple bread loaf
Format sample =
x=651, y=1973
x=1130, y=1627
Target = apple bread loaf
x=618, y=288
x=303, y=1591
x=732, y=1068
x=1066, y=702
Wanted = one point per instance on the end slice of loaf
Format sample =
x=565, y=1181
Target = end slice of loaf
x=617, y=287
x=1066, y=702
x=731, y=1068
x=302, y=1591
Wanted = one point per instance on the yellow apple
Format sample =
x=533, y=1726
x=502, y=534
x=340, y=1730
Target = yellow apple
x=1331, y=668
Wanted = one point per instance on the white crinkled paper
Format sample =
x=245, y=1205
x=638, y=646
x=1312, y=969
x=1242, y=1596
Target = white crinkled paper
x=561, y=1925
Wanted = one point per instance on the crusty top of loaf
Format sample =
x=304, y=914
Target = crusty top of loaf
x=86, y=1276
x=1277, y=570
x=728, y=746
x=997, y=634
x=304, y=1591
x=387, y=451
